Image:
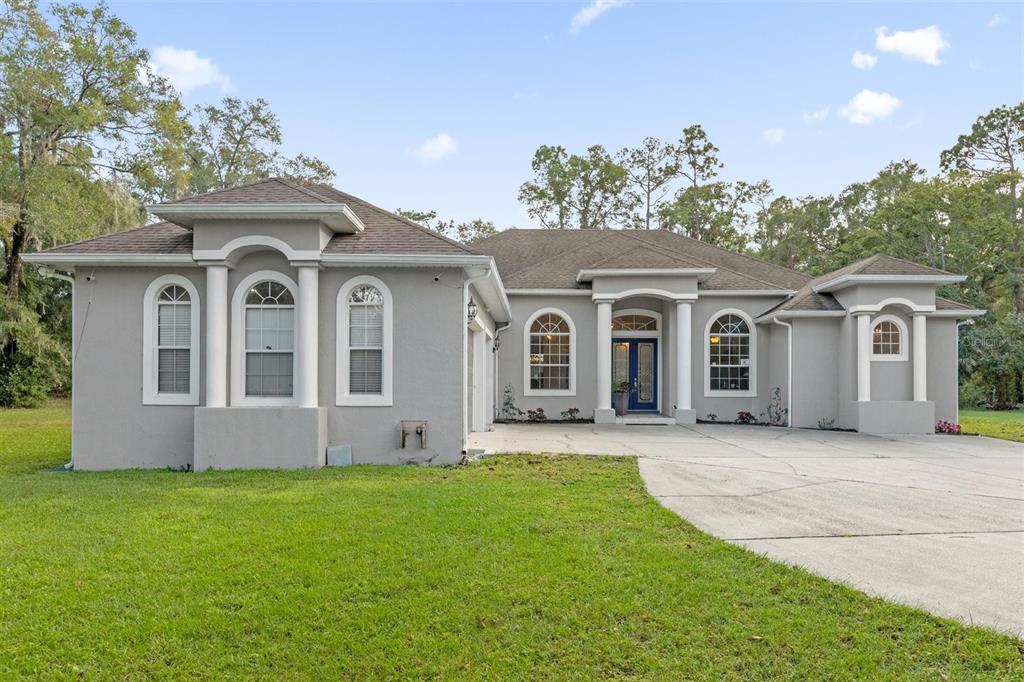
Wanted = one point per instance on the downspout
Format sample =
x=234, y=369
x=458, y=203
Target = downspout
x=70, y=279
x=956, y=348
x=789, y=369
x=495, y=345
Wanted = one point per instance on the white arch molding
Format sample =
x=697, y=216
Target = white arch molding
x=752, y=329
x=527, y=391
x=238, y=396
x=150, y=358
x=250, y=241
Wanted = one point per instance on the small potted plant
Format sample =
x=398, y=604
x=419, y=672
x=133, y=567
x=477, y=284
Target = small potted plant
x=622, y=390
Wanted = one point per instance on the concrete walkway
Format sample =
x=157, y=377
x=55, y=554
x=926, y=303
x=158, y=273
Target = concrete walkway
x=932, y=521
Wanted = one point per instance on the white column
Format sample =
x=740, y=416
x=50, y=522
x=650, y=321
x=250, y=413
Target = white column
x=604, y=413
x=306, y=340
x=685, y=413
x=216, y=336
x=864, y=358
x=920, y=358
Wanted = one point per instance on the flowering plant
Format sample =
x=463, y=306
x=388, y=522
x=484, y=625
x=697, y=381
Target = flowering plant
x=943, y=426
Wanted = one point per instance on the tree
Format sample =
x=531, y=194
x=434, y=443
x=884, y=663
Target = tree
x=708, y=212
x=465, y=233
x=73, y=106
x=572, y=191
x=651, y=167
x=231, y=144
x=699, y=162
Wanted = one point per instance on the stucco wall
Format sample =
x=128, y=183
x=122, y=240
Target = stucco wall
x=943, y=366
x=301, y=235
x=816, y=381
x=112, y=428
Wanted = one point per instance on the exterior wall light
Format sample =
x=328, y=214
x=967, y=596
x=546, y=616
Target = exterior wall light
x=471, y=311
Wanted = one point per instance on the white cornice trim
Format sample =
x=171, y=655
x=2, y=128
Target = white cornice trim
x=657, y=293
x=745, y=292
x=137, y=259
x=339, y=217
x=549, y=292
x=974, y=312
x=587, y=275
x=404, y=260
x=895, y=301
x=844, y=281
x=788, y=314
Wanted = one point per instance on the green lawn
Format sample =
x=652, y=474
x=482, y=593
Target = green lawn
x=511, y=568
x=1003, y=424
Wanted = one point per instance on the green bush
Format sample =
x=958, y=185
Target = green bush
x=24, y=385
x=32, y=363
x=975, y=392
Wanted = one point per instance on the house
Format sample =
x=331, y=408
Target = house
x=278, y=325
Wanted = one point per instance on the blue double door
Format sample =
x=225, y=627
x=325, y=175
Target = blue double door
x=636, y=361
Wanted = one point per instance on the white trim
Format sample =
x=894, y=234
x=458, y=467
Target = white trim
x=549, y=292
x=628, y=334
x=904, y=337
x=785, y=315
x=850, y=280
x=657, y=293
x=960, y=313
x=150, y=365
x=238, y=396
x=133, y=259
x=337, y=216
x=527, y=391
x=745, y=292
x=341, y=343
x=399, y=260
x=225, y=252
x=789, y=370
x=752, y=391
x=895, y=300
x=587, y=275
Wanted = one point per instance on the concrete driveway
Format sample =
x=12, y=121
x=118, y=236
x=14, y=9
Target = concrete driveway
x=932, y=521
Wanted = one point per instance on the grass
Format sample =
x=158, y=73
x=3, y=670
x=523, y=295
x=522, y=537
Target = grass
x=511, y=568
x=998, y=424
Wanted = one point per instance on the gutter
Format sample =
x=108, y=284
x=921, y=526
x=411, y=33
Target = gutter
x=789, y=370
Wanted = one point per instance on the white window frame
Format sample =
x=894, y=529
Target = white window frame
x=151, y=394
x=342, y=395
x=903, y=355
x=238, y=396
x=752, y=391
x=571, y=391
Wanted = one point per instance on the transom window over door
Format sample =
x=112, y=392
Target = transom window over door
x=269, y=340
x=634, y=323
x=729, y=355
x=174, y=340
x=366, y=340
x=550, y=351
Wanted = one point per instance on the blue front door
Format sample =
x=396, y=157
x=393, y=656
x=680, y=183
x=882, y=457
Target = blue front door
x=636, y=361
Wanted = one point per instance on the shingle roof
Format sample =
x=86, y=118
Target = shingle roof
x=551, y=259
x=385, y=232
x=805, y=299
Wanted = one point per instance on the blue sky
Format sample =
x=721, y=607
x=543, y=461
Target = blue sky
x=441, y=105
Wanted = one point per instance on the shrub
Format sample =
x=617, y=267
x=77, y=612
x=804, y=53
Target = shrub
x=776, y=413
x=712, y=417
x=975, y=393
x=572, y=414
x=827, y=423
x=536, y=415
x=509, y=411
x=952, y=428
x=32, y=364
x=744, y=417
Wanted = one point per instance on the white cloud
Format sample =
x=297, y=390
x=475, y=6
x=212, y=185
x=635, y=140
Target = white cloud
x=773, y=135
x=186, y=70
x=819, y=115
x=590, y=13
x=996, y=20
x=437, y=147
x=863, y=60
x=868, y=106
x=922, y=45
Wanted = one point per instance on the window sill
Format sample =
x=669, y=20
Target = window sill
x=256, y=401
x=187, y=399
x=708, y=393
x=888, y=358
x=356, y=400
x=540, y=392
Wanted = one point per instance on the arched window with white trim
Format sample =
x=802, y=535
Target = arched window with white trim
x=170, y=365
x=263, y=340
x=364, y=338
x=549, y=358
x=888, y=339
x=730, y=354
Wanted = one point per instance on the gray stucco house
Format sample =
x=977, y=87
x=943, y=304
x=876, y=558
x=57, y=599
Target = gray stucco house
x=277, y=325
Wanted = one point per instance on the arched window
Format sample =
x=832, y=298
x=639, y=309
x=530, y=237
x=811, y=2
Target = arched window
x=634, y=322
x=269, y=340
x=171, y=342
x=550, y=357
x=365, y=338
x=729, y=354
x=888, y=339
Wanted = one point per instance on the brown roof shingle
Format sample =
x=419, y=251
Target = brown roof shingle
x=156, y=239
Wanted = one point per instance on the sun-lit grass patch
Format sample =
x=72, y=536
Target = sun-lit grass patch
x=998, y=424
x=511, y=568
